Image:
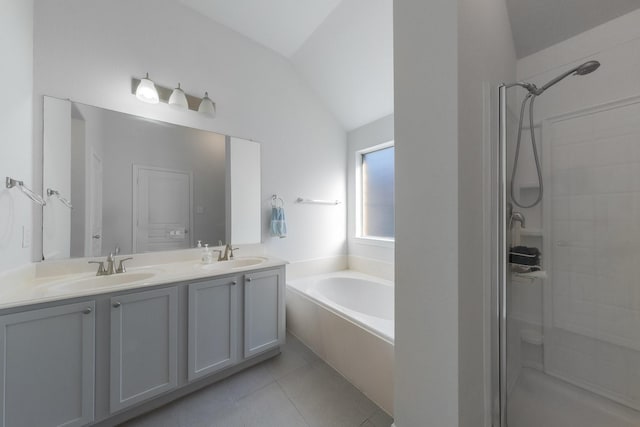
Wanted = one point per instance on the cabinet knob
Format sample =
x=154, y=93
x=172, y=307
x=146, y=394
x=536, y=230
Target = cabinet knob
x=87, y=310
x=116, y=304
x=235, y=282
x=248, y=279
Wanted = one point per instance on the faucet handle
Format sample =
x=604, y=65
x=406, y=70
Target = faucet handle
x=219, y=254
x=121, y=268
x=101, y=270
x=231, y=249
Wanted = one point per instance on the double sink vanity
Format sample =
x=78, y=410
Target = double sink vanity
x=80, y=349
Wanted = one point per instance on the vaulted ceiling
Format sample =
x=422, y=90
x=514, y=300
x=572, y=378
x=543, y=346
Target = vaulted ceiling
x=344, y=48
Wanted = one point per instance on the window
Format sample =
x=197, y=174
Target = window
x=375, y=192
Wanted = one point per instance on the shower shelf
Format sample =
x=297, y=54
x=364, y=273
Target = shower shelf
x=531, y=276
x=531, y=232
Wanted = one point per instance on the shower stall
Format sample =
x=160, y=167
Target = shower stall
x=566, y=241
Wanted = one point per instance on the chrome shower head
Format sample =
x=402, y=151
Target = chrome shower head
x=580, y=70
x=587, y=67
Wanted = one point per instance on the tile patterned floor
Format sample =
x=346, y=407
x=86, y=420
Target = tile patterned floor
x=294, y=389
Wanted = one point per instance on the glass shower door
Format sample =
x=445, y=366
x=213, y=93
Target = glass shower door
x=570, y=338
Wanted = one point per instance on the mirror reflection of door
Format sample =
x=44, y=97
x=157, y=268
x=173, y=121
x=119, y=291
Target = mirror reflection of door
x=162, y=214
x=95, y=206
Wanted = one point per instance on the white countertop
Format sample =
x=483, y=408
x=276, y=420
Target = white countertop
x=59, y=280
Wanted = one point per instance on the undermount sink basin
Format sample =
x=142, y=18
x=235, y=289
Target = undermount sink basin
x=234, y=263
x=97, y=282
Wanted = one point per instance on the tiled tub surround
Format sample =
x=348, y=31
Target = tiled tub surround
x=103, y=354
x=347, y=319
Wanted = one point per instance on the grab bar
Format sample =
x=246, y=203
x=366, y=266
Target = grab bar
x=11, y=183
x=55, y=193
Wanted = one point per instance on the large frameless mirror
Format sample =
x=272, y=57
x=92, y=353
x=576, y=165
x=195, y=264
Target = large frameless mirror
x=118, y=182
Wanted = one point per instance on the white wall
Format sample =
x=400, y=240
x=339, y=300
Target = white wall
x=486, y=58
x=88, y=51
x=16, y=122
x=426, y=150
x=361, y=250
x=450, y=57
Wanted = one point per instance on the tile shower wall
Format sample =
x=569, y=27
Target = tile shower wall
x=592, y=322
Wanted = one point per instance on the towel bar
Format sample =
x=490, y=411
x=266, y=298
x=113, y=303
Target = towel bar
x=11, y=183
x=317, y=202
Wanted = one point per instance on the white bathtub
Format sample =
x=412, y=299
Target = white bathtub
x=347, y=318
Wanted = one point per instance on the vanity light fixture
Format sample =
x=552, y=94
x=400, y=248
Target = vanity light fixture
x=178, y=99
x=207, y=106
x=146, y=91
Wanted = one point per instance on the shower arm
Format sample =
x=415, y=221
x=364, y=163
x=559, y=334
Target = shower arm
x=533, y=89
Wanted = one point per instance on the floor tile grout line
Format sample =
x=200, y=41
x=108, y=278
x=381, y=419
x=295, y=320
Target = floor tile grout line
x=273, y=380
x=304, y=420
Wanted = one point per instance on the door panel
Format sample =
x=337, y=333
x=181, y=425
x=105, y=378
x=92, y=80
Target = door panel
x=47, y=361
x=212, y=326
x=263, y=311
x=162, y=209
x=144, y=334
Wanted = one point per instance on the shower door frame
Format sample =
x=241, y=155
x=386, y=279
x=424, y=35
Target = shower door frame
x=499, y=266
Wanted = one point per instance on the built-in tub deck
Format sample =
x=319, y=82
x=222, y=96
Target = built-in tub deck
x=347, y=318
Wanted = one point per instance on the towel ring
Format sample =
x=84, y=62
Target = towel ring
x=274, y=201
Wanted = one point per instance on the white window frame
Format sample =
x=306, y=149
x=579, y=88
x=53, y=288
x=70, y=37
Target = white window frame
x=376, y=241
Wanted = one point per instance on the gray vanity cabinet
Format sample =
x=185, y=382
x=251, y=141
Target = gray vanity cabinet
x=47, y=361
x=213, y=318
x=263, y=311
x=144, y=346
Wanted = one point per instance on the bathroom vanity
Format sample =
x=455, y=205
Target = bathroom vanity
x=78, y=349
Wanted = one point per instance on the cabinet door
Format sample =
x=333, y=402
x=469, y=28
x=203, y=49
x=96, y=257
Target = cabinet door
x=144, y=345
x=47, y=361
x=213, y=313
x=263, y=311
